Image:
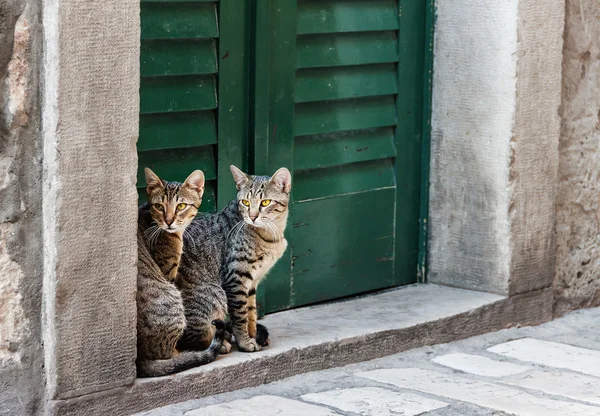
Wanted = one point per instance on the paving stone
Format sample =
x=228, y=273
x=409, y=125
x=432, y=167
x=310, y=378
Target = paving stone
x=561, y=383
x=551, y=354
x=480, y=365
x=481, y=393
x=264, y=406
x=375, y=401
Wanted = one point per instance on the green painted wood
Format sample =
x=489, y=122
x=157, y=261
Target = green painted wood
x=187, y=161
x=166, y=94
x=179, y=20
x=178, y=57
x=172, y=130
x=233, y=95
x=312, y=152
x=409, y=134
x=330, y=16
x=334, y=116
x=347, y=49
x=182, y=58
x=339, y=249
x=319, y=84
x=275, y=46
x=340, y=180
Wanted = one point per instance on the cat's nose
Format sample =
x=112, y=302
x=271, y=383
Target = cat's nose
x=253, y=217
x=169, y=221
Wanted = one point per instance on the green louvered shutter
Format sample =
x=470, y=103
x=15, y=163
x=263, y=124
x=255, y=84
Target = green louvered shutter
x=193, y=93
x=343, y=109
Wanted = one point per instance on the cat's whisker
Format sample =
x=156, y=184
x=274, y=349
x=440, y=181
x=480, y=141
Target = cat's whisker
x=236, y=228
x=270, y=227
x=232, y=229
x=190, y=237
x=154, y=236
x=277, y=233
x=240, y=229
x=150, y=229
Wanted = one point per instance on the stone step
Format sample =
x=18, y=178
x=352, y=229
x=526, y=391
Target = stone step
x=330, y=335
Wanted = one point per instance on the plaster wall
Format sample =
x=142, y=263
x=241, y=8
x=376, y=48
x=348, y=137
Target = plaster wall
x=473, y=107
x=495, y=128
x=577, y=280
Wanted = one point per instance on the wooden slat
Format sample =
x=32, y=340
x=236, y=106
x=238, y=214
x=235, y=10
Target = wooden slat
x=333, y=116
x=340, y=180
x=340, y=148
x=319, y=84
x=208, y=199
x=343, y=246
x=318, y=16
x=177, y=164
x=346, y=49
x=186, y=93
x=178, y=57
x=234, y=103
x=172, y=130
x=179, y=20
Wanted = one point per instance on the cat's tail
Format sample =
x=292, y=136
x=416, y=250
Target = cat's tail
x=262, y=334
x=185, y=360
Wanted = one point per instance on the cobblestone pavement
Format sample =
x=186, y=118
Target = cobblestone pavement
x=550, y=370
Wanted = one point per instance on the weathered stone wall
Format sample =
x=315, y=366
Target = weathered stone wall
x=21, y=356
x=577, y=280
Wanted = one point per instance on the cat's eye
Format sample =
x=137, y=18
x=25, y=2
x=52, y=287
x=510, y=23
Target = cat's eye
x=159, y=207
x=265, y=202
x=181, y=206
x=246, y=202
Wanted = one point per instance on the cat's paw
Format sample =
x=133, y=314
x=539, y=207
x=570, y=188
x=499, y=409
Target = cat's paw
x=225, y=348
x=249, y=346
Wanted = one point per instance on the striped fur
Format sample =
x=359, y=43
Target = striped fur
x=228, y=253
x=160, y=312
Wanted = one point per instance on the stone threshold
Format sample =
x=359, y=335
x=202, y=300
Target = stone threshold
x=329, y=335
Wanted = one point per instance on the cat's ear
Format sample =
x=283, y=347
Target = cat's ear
x=195, y=182
x=283, y=179
x=239, y=177
x=153, y=182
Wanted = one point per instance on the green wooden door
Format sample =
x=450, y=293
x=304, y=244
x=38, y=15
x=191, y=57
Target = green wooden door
x=339, y=100
x=331, y=89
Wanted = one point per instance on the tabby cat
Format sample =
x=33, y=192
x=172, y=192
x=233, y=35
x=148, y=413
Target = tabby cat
x=226, y=256
x=161, y=321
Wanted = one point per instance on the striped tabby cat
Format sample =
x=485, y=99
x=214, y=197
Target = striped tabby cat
x=226, y=256
x=161, y=321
